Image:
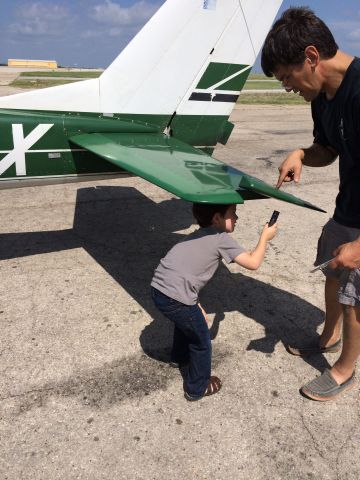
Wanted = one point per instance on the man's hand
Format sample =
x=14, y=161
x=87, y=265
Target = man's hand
x=290, y=169
x=347, y=255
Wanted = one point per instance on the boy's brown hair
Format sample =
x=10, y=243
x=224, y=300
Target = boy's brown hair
x=204, y=212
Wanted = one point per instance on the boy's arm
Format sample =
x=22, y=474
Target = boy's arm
x=253, y=260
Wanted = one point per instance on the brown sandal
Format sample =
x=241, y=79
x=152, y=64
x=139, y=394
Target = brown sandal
x=214, y=386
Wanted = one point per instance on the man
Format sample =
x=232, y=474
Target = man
x=301, y=52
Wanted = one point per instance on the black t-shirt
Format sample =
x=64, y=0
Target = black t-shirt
x=337, y=124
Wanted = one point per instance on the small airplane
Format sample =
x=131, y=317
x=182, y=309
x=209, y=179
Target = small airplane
x=157, y=111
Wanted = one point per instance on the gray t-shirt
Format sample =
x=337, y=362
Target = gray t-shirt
x=190, y=264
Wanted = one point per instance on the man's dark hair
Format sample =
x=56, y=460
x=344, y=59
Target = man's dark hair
x=204, y=212
x=296, y=29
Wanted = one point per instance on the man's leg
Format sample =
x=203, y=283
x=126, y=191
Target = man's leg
x=345, y=365
x=341, y=377
x=333, y=314
x=332, y=328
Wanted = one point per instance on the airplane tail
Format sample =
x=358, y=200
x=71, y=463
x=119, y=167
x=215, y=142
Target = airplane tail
x=186, y=68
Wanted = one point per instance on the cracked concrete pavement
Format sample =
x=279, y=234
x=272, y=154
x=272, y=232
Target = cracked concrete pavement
x=86, y=392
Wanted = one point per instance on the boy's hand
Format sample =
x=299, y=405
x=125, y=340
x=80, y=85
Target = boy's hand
x=269, y=232
x=204, y=313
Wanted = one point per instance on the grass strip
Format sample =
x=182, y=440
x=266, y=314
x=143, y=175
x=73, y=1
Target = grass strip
x=259, y=85
x=56, y=74
x=38, y=83
x=270, y=99
x=260, y=76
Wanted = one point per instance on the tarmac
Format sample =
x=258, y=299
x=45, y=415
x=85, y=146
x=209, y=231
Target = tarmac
x=86, y=390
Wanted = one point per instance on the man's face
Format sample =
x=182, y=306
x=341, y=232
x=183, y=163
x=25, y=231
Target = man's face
x=300, y=78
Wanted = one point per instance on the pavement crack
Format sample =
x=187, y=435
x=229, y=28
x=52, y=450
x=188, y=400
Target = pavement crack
x=313, y=439
x=342, y=447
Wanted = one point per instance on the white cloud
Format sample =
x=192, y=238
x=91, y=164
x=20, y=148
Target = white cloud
x=112, y=14
x=354, y=35
x=347, y=34
x=39, y=19
x=48, y=12
x=89, y=34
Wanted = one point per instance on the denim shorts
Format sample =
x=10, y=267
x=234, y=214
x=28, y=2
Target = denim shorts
x=333, y=235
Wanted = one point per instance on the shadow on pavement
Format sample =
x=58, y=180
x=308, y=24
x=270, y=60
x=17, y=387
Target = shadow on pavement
x=127, y=234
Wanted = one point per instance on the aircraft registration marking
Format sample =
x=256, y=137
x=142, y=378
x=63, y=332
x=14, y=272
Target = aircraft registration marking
x=49, y=151
x=23, y=144
x=209, y=5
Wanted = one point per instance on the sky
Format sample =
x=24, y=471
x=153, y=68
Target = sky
x=91, y=33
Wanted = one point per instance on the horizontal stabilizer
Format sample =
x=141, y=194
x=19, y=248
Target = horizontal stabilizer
x=258, y=186
x=180, y=168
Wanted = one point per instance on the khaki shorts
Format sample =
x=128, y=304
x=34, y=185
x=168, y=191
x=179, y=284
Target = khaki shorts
x=333, y=235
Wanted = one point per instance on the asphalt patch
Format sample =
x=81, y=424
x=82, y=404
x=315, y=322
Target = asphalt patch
x=126, y=379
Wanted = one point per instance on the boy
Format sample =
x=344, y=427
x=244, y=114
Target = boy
x=183, y=272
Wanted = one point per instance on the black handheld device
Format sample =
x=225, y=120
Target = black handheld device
x=274, y=217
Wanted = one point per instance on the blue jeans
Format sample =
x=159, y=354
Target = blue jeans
x=191, y=341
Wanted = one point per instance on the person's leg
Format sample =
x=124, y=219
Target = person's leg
x=329, y=342
x=191, y=322
x=333, y=314
x=341, y=376
x=344, y=367
x=180, y=348
x=169, y=308
x=200, y=349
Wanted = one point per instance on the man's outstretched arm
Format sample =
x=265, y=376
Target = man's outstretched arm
x=315, y=156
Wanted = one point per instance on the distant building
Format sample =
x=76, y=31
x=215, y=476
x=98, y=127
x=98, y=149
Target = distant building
x=12, y=62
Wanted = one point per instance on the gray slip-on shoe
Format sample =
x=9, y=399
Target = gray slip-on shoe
x=314, y=348
x=325, y=387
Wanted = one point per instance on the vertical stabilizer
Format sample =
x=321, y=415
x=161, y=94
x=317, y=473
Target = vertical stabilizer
x=192, y=57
